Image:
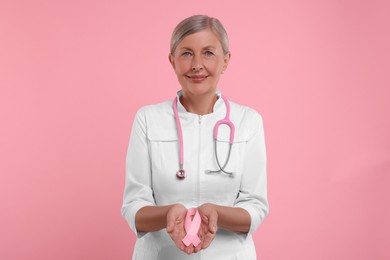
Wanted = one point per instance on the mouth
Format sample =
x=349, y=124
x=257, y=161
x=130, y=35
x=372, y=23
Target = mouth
x=197, y=78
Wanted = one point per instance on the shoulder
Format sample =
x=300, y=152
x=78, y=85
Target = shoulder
x=155, y=113
x=246, y=119
x=156, y=117
x=156, y=109
x=244, y=113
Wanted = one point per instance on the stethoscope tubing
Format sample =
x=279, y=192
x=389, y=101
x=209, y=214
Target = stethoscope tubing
x=225, y=121
x=181, y=173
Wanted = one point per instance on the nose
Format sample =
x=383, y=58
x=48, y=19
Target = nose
x=197, y=63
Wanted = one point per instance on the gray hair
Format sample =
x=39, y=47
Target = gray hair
x=197, y=23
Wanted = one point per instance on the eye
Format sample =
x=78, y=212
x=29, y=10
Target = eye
x=186, y=54
x=209, y=53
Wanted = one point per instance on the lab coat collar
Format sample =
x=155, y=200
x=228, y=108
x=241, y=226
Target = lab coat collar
x=218, y=106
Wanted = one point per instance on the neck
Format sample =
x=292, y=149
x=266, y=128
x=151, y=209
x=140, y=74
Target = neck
x=200, y=105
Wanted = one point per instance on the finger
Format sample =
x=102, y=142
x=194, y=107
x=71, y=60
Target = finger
x=169, y=227
x=213, y=223
x=207, y=241
x=178, y=242
x=189, y=249
x=180, y=245
x=198, y=248
x=201, y=237
x=209, y=236
x=201, y=233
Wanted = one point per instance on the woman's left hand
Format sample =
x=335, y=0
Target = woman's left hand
x=208, y=226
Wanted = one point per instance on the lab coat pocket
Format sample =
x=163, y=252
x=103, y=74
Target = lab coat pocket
x=230, y=157
x=164, y=150
x=164, y=159
x=227, y=156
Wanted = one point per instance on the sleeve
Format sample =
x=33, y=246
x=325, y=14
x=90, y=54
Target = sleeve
x=138, y=192
x=253, y=188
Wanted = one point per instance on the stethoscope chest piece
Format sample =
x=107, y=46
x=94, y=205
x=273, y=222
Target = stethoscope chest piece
x=181, y=174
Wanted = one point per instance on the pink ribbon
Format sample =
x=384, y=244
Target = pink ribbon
x=192, y=227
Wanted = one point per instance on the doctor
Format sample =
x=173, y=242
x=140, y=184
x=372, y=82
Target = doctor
x=176, y=160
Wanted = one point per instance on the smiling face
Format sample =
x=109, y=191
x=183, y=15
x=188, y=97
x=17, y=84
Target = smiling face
x=198, y=62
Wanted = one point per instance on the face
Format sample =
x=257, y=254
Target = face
x=198, y=62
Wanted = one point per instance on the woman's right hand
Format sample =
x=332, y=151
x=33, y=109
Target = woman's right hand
x=175, y=227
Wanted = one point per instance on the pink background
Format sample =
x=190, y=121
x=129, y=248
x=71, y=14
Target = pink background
x=73, y=73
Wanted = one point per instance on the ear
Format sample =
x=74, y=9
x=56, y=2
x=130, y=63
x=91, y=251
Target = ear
x=226, y=60
x=170, y=57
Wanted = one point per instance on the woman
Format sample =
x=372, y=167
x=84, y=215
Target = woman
x=175, y=164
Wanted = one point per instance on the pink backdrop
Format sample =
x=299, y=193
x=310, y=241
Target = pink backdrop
x=73, y=73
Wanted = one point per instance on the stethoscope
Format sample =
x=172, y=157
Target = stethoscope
x=181, y=173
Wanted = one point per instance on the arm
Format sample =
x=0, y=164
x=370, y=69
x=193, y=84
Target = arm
x=151, y=218
x=138, y=192
x=233, y=219
x=154, y=218
x=139, y=207
x=229, y=218
x=252, y=196
x=213, y=216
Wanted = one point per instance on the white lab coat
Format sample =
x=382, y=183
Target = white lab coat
x=153, y=160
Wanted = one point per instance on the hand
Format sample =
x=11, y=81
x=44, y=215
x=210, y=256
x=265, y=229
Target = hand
x=175, y=227
x=208, y=227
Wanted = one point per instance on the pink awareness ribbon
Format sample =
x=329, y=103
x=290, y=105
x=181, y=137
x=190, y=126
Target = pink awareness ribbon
x=192, y=227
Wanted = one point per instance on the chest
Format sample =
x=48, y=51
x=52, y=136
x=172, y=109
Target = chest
x=201, y=155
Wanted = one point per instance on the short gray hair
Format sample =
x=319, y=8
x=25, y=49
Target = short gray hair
x=197, y=23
